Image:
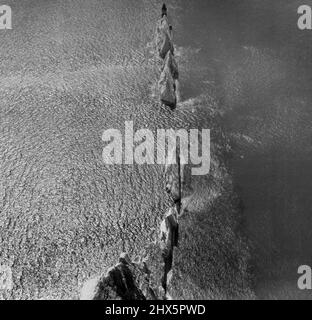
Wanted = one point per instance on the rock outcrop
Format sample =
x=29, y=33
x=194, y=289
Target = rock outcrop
x=169, y=71
x=125, y=281
x=166, y=87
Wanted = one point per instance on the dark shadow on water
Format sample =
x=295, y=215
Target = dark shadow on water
x=261, y=67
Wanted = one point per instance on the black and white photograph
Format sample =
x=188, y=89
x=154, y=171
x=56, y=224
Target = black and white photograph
x=155, y=150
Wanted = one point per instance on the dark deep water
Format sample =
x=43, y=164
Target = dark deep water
x=261, y=66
